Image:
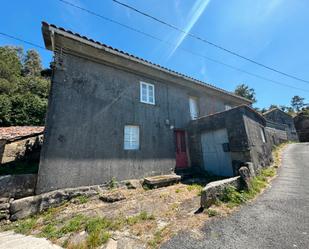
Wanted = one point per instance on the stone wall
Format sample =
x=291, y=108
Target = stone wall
x=278, y=116
x=17, y=186
x=302, y=126
x=25, y=149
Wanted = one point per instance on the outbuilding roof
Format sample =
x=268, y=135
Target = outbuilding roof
x=50, y=29
x=13, y=133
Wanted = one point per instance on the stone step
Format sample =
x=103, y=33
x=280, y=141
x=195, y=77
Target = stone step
x=161, y=180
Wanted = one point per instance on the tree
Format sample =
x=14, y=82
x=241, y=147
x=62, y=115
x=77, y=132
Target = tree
x=297, y=103
x=23, y=91
x=10, y=65
x=32, y=63
x=246, y=92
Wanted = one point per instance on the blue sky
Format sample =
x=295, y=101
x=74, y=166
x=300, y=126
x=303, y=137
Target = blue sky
x=273, y=32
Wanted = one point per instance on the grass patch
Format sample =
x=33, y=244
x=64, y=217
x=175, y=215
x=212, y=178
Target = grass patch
x=195, y=187
x=25, y=226
x=178, y=190
x=82, y=199
x=74, y=225
x=97, y=238
x=211, y=212
x=233, y=197
x=142, y=216
x=50, y=231
x=157, y=239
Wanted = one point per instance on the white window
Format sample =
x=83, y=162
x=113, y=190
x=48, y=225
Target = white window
x=263, y=134
x=227, y=107
x=131, y=137
x=193, y=105
x=147, y=93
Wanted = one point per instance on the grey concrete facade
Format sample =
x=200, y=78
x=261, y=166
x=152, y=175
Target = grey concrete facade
x=244, y=127
x=95, y=92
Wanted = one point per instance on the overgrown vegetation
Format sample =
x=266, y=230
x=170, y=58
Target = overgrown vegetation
x=24, y=87
x=98, y=228
x=232, y=197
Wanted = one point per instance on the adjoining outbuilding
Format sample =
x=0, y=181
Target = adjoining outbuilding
x=220, y=143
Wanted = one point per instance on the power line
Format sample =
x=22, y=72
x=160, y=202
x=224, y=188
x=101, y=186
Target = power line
x=173, y=44
x=209, y=42
x=21, y=40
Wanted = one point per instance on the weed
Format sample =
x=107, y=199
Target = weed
x=113, y=183
x=50, y=231
x=82, y=199
x=196, y=187
x=97, y=238
x=25, y=226
x=74, y=225
x=212, y=212
x=142, y=216
x=268, y=172
x=157, y=238
x=178, y=191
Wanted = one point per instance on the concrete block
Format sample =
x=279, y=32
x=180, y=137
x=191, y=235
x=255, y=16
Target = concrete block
x=214, y=190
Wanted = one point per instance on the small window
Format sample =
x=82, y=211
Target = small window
x=131, y=137
x=193, y=108
x=263, y=134
x=227, y=107
x=147, y=93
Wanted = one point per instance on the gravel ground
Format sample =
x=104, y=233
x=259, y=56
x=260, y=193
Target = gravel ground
x=279, y=218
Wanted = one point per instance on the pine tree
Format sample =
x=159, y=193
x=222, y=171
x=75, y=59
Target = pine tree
x=32, y=63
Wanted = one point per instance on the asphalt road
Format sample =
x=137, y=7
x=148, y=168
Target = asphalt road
x=279, y=218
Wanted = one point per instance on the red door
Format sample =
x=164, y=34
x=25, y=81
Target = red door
x=181, y=149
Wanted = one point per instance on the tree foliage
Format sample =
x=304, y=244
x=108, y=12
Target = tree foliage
x=297, y=103
x=246, y=92
x=23, y=91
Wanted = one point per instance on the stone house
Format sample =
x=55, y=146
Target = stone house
x=114, y=115
x=111, y=114
x=278, y=116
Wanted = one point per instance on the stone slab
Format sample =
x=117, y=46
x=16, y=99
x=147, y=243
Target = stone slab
x=161, y=180
x=17, y=241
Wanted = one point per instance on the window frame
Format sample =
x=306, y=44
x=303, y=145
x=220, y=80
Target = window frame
x=131, y=144
x=196, y=100
x=147, y=101
x=263, y=135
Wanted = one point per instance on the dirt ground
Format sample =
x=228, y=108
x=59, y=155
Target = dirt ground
x=168, y=210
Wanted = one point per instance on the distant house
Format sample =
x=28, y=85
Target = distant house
x=278, y=116
x=111, y=114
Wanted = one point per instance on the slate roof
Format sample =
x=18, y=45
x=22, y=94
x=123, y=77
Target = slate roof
x=18, y=132
x=135, y=58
